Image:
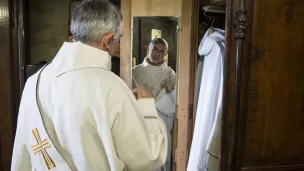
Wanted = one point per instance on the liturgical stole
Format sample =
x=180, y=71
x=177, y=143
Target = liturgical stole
x=43, y=153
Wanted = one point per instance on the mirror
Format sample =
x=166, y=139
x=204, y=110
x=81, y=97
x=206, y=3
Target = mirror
x=155, y=56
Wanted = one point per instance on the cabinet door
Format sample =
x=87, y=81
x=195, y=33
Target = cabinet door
x=266, y=129
x=6, y=93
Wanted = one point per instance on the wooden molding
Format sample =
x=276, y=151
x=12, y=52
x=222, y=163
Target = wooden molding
x=6, y=84
x=184, y=92
x=125, y=43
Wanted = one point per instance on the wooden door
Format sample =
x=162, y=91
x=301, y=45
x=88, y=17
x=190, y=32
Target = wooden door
x=6, y=87
x=12, y=62
x=264, y=87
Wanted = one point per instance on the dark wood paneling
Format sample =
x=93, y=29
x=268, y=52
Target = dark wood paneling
x=6, y=98
x=228, y=90
x=287, y=167
x=275, y=123
x=270, y=110
x=19, y=49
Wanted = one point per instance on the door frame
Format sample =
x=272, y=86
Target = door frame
x=13, y=58
x=184, y=100
x=237, y=46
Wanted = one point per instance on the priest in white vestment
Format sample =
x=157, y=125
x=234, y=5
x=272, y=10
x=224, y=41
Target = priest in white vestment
x=76, y=115
x=206, y=142
x=158, y=79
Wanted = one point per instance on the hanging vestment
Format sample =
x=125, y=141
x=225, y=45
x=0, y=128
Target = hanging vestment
x=214, y=141
x=35, y=139
x=198, y=80
x=209, y=101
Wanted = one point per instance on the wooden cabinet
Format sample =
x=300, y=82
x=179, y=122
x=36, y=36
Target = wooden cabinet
x=264, y=96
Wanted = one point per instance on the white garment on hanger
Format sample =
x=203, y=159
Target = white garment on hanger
x=214, y=142
x=209, y=95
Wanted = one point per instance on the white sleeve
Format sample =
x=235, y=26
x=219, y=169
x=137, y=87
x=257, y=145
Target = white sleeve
x=139, y=135
x=173, y=95
x=21, y=160
x=166, y=104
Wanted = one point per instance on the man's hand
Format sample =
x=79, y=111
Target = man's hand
x=168, y=84
x=140, y=93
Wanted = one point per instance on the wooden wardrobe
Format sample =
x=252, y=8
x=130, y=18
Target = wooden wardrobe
x=264, y=86
x=263, y=123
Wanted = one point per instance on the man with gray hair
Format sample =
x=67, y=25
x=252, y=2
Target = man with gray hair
x=75, y=114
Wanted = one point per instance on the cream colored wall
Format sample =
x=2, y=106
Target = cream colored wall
x=156, y=7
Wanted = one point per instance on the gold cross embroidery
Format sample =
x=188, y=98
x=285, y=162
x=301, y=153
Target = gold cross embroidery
x=41, y=146
x=149, y=89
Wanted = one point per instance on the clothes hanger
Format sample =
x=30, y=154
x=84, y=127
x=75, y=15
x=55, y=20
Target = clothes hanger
x=216, y=15
x=211, y=30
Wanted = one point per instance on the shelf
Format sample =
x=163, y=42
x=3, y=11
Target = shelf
x=218, y=2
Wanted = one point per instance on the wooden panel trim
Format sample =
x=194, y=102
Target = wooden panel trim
x=271, y=167
x=237, y=162
x=23, y=41
x=15, y=51
x=240, y=35
x=194, y=59
x=183, y=94
x=19, y=51
x=235, y=75
x=6, y=89
x=125, y=43
x=226, y=119
x=242, y=123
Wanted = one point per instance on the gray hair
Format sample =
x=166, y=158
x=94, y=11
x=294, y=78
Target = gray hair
x=158, y=41
x=92, y=19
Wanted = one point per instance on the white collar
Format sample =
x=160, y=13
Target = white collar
x=146, y=63
x=77, y=55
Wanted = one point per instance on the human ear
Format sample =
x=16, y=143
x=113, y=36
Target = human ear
x=106, y=41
